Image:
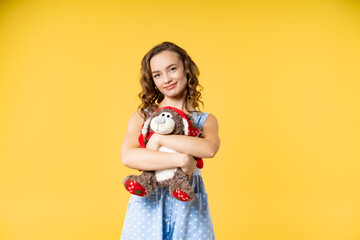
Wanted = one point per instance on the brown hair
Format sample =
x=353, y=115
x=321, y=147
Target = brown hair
x=150, y=96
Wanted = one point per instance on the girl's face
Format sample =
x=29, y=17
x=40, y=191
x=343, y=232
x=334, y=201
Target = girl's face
x=168, y=73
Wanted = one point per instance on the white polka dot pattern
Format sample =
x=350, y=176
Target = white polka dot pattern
x=160, y=216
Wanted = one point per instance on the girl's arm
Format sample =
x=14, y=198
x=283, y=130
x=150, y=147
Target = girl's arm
x=204, y=147
x=133, y=156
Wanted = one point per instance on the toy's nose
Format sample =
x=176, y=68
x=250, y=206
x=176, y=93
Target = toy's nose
x=159, y=120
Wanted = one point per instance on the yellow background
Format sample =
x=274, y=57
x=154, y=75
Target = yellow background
x=282, y=78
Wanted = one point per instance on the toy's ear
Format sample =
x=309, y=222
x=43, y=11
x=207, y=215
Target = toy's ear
x=190, y=117
x=193, y=130
x=146, y=128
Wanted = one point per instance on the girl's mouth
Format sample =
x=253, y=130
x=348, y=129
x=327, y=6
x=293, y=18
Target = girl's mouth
x=170, y=86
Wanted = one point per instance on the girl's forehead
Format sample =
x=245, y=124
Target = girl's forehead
x=164, y=59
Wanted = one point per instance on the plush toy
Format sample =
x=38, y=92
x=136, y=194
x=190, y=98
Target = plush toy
x=166, y=120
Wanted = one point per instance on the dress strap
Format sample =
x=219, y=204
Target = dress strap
x=148, y=111
x=197, y=172
x=203, y=119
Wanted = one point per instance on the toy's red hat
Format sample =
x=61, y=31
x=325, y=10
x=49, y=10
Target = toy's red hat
x=189, y=130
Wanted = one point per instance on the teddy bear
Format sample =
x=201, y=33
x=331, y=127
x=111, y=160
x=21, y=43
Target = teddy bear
x=166, y=120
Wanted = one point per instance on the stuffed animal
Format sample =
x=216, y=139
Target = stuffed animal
x=166, y=120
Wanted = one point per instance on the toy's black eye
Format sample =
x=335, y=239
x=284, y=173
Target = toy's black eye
x=168, y=116
x=163, y=114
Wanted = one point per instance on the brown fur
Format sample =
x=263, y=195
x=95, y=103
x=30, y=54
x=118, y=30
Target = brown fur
x=180, y=180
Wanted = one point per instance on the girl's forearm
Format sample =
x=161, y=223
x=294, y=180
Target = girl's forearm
x=149, y=160
x=194, y=146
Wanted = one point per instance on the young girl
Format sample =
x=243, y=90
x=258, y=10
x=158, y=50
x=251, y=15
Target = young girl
x=169, y=78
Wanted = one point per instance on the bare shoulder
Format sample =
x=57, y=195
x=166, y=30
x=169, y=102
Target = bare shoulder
x=211, y=132
x=211, y=127
x=211, y=123
x=135, y=121
x=133, y=130
x=137, y=115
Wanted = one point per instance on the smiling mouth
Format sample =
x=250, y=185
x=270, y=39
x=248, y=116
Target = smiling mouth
x=170, y=86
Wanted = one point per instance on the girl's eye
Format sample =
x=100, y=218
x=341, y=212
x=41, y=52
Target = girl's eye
x=156, y=75
x=173, y=68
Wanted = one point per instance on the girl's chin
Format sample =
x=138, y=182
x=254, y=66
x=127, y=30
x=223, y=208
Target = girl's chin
x=172, y=93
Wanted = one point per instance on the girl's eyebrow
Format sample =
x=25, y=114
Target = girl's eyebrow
x=166, y=67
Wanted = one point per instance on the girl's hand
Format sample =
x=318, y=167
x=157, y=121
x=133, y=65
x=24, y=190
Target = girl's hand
x=154, y=142
x=187, y=163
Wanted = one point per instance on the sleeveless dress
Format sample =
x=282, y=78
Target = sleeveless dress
x=160, y=216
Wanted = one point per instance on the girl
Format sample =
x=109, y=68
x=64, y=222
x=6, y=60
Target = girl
x=169, y=77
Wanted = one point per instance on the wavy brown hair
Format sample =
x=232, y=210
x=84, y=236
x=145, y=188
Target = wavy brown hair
x=150, y=96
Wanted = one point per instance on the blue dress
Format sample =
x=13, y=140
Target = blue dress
x=160, y=216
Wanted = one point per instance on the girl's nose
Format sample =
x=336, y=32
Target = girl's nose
x=168, y=78
x=159, y=120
